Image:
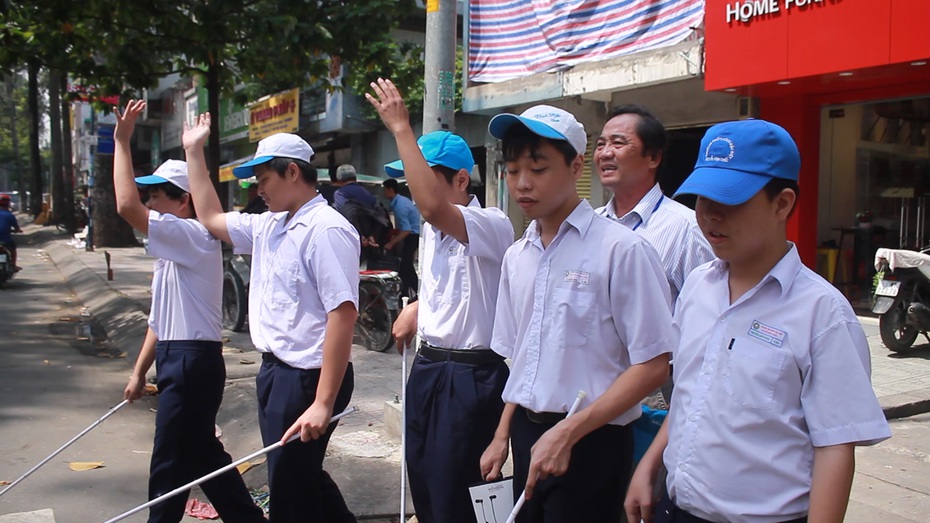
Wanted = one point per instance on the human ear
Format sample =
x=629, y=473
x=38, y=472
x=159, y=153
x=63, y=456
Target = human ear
x=577, y=167
x=784, y=203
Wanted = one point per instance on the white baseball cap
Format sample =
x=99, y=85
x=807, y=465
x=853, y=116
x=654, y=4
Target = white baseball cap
x=172, y=171
x=281, y=145
x=546, y=121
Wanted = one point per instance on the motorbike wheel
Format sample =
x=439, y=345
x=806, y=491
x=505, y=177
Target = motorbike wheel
x=896, y=334
x=375, y=320
x=235, y=302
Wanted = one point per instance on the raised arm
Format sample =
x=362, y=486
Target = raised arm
x=425, y=185
x=128, y=204
x=206, y=202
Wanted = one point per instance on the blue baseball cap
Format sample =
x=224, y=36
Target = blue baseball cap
x=280, y=145
x=439, y=148
x=737, y=159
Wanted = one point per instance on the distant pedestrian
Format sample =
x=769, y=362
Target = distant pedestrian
x=8, y=225
x=184, y=336
x=772, y=370
x=407, y=238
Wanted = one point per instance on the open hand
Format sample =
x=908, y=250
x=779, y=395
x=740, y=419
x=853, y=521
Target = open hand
x=196, y=136
x=126, y=120
x=311, y=424
x=390, y=105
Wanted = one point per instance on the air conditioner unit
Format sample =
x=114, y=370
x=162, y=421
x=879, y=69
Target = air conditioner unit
x=747, y=107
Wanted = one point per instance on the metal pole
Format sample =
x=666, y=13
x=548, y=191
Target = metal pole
x=219, y=471
x=403, y=428
x=89, y=240
x=66, y=445
x=439, y=75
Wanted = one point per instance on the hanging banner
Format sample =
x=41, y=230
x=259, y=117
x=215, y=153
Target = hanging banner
x=277, y=113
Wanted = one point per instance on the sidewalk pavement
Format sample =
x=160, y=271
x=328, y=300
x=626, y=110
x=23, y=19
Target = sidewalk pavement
x=365, y=453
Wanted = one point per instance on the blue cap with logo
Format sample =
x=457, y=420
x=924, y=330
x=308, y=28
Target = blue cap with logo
x=737, y=159
x=439, y=148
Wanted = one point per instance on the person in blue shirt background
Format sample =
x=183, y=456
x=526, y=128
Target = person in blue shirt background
x=9, y=225
x=407, y=222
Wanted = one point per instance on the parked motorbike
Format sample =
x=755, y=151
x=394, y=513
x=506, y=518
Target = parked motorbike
x=6, y=265
x=902, y=297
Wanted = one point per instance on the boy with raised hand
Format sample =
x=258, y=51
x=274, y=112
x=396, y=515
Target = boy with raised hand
x=454, y=391
x=184, y=337
x=583, y=305
x=302, y=309
x=772, y=373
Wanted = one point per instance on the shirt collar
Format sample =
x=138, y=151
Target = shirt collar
x=784, y=272
x=304, y=209
x=643, y=209
x=580, y=218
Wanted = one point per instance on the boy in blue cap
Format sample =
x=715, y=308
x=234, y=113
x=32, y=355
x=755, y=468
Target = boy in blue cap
x=303, y=303
x=184, y=336
x=772, y=390
x=454, y=391
x=572, y=316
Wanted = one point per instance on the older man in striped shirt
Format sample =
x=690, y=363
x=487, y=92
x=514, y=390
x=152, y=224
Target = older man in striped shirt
x=627, y=157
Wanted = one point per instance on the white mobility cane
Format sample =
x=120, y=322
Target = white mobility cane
x=66, y=445
x=217, y=472
x=403, y=429
x=519, y=504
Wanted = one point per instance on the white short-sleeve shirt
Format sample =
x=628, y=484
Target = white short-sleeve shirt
x=577, y=314
x=458, y=287
x=758, y=385
x=672, y=229
x=302, y=269
x=187, y=284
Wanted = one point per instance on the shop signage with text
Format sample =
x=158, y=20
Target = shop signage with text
x=276, y=114
x=746, y=10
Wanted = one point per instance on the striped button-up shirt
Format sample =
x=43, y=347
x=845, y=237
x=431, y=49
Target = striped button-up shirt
x=672, y=229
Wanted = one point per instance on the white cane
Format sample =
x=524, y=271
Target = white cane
x=519, y=504
x=403, y=428
x=217, y=472
x=66, y=445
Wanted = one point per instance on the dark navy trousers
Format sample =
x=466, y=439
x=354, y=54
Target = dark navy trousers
x=599, y=469
x=453, y=410
x=301, y=491
x=191, y=377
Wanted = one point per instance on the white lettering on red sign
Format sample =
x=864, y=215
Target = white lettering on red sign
x=746, y=10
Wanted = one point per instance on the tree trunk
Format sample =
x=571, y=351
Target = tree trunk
x=109, y=229
x=35, y=158
x=213, y=151
x=67, y=158
x=14, y=135
x=55, y=175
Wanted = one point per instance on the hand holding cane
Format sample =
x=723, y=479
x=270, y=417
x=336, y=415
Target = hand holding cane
x=66, y=445
x=219, y=471
x=403, y=426
x=519, y=504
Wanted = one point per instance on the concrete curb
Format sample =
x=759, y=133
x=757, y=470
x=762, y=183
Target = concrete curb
x=906, y=404
x=121, y=317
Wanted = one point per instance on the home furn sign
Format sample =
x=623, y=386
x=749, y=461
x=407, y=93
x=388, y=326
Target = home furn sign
x=747, y=10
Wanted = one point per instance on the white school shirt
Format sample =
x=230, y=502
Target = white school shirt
x=302, y=269
x=577, y=314
x=758, y=385
x=672, y=229
x=187, y=285
x=458, y=287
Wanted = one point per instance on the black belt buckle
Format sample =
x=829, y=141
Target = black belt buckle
x=544, y=418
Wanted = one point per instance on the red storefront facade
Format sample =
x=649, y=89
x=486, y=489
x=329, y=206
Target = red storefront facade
x=850, y=80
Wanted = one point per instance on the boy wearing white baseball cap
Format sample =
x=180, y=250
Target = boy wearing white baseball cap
x=772, y=390
x=570, y=315
x=303, y=303
x=183, y=338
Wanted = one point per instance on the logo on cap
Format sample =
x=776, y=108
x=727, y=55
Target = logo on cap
x=719, y=154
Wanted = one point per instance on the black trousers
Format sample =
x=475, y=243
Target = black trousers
x=408, y=272
x=600, y=468
x=301, y=491
x=191, y=377
x=667, y=512
x=452, y=412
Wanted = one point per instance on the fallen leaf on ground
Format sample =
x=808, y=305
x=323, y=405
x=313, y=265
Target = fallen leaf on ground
x=244, y=467
x=246, y=362
x=4, y=483
x=150, y=390
x=80, y=466
x=47, y=362
x=200, y=510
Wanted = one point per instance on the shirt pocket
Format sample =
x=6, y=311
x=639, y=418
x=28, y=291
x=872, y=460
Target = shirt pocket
x=752, y=373
x=572, y=316
x=283, y=282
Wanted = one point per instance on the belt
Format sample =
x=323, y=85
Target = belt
x=469, y=357
x=269, y=357
x=681, y=516
x=544, y=418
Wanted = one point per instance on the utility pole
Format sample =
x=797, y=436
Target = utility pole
x=439, y=81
